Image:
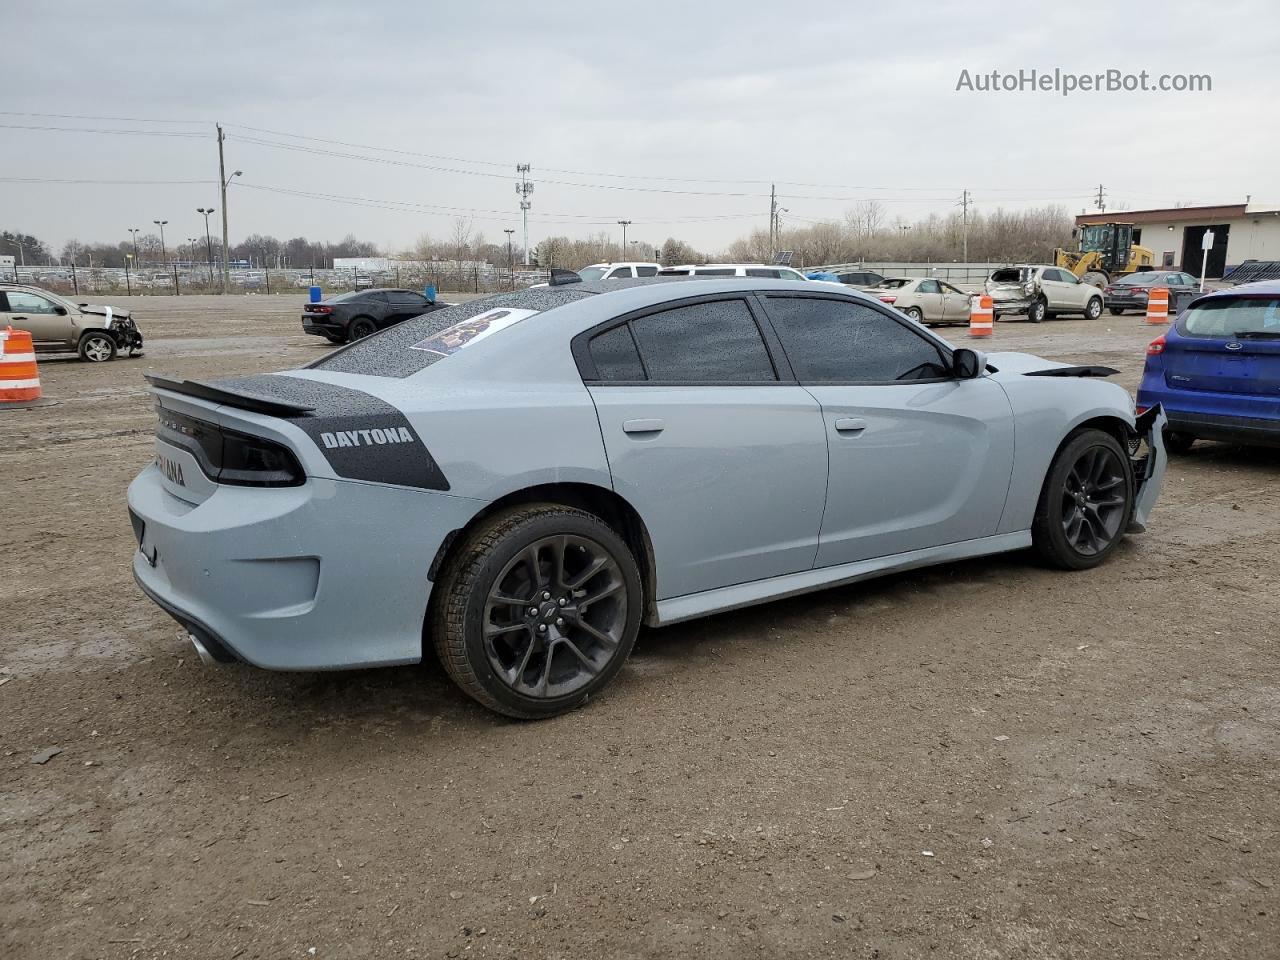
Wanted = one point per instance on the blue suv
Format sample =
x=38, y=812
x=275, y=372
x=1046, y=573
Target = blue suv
x=1217, y=369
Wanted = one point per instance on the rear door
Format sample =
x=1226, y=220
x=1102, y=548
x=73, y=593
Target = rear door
x=917, y=458
x=720, y=451
x=1055, y=289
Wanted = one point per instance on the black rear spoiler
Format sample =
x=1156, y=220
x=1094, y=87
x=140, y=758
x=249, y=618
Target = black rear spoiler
x=232, y=398
x=1073, y=372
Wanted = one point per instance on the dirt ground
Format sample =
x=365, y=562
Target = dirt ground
x=981, y=760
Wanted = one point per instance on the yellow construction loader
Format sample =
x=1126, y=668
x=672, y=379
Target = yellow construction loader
x=1106, y=251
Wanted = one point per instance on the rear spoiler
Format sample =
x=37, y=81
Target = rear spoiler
x=241, y=399
x=1073, y=372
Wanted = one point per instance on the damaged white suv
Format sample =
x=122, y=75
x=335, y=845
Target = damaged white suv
x=1042, y=292
x=97, y=333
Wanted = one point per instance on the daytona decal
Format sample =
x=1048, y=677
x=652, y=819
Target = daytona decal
x=374, y=436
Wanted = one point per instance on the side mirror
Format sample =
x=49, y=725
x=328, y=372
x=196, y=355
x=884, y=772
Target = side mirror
x=967, y=364
x=60, y=311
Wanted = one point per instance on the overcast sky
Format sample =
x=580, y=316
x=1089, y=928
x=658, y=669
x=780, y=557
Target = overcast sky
x=859, y=100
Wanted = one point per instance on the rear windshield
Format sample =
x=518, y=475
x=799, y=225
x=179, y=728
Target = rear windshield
x=348, y=297
x=1010, y=275
x=1232, y=317
x=408, y=347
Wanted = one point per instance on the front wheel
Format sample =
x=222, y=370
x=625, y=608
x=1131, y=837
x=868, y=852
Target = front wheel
x=1085, y=503
x=1093, y=310
x=97, y=348
x=1038, y=310
x=538, y=611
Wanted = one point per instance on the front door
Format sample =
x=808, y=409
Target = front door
x=956, y=304
x=39, y=316
x=929, y=297
x=726, y=462
x=917, y=457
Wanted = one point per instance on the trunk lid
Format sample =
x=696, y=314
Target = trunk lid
x=1226, y=345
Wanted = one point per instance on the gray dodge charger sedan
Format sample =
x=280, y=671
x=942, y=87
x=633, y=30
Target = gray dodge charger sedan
x=519, y=482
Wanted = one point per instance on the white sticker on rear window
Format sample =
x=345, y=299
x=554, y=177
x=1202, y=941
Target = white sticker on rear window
x=452, y=339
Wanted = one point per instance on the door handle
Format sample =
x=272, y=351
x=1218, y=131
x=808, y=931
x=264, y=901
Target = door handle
x=850, y=425
x=643, y=426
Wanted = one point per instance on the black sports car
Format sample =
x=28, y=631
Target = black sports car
x=350, y=316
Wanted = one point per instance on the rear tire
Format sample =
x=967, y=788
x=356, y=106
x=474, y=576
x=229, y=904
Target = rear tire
x=1176, y=442
x=1116, y=311
x=359, y=328
x=533, y=643
x=1085, y=503
x=913, y=313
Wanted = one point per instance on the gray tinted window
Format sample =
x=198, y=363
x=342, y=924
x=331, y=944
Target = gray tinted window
x=646, y=271
x=703, y=342
x=762, y=272
x=615, y=356
x=839, y=341
x=620, y=273
x=715, y=272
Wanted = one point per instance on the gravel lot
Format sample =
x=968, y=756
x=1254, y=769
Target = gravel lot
x=981, y=760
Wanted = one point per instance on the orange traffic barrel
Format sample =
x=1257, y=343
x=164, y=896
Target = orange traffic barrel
x=1158, y=306
x=981, y=316
x=19, y=381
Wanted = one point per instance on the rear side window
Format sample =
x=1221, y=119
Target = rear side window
x=615, y=355
x=1229, y=317
x=929, y=286
x=762, y=272
x=675, y=273
x=712, y=342
x=716, y=272
x=836, y=341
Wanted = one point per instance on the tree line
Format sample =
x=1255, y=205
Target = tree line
x=865, y=233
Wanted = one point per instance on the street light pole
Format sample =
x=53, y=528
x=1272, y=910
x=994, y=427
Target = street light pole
x=208, y=240
x=511, y=263
x=133, y=231
x=223, y=179
x=624, y=224
x=164, y=255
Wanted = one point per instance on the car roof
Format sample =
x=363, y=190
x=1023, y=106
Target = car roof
x=733, y=266
x=1263, y=287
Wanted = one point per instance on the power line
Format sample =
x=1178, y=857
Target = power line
x=107, y=182
x=118, y=131
x=85, y=116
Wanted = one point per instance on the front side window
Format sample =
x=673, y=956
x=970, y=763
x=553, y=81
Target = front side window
x=837, y=341
x=621, y=273
x=712, y=342
x=646, y=271
x=20, y=302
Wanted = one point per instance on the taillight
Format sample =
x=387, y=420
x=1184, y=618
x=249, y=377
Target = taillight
x=1156, y=347
x=888, y=299
x=1142, y=291
x=316, y=308
x=226, y=456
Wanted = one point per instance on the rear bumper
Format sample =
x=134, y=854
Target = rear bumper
x=1203, y=414
x=1210, y=426
x=1000, y=308
x=1126, y=303
x=324, y=576
x=322, y=328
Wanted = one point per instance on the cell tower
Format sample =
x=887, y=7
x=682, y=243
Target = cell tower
x=523, y=188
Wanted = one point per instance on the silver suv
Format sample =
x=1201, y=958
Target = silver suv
x=97, y=333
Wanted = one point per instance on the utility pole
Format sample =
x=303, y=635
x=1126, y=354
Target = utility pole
x=163, y=253
x=773, y=220
x=223, y=180
x=965, y=200
x=624, y=224
x=133, y=232
x=1102, y=205
x=523, y=189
